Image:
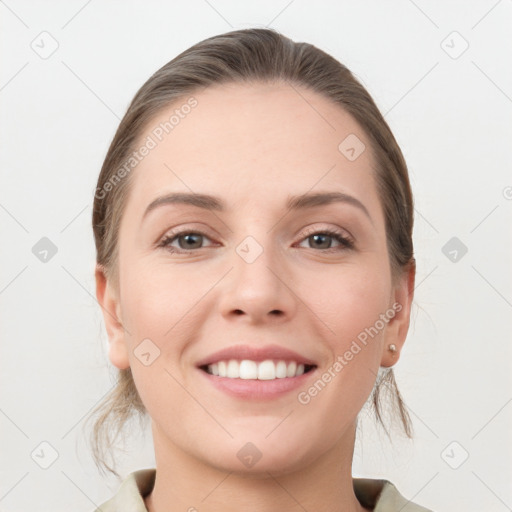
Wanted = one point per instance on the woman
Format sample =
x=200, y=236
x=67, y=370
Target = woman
x=253, y=224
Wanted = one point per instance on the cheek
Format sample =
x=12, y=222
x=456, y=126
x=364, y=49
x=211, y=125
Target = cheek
x=158, y=313
x=349, y=306
x=158, y=298
x=350, y=299
x=163, y=312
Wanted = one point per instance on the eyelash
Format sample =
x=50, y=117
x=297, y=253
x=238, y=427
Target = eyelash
x=345, y=241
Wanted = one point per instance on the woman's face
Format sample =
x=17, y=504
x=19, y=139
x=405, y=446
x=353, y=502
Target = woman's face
x=256, y=273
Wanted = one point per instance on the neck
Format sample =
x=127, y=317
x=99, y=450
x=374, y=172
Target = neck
x=185, y=483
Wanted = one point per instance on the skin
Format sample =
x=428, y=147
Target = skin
x=253, y=146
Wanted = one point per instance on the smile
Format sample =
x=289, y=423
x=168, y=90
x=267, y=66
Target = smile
x=261, y=370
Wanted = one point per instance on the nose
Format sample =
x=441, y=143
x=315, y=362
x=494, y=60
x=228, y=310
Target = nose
x=258, y=289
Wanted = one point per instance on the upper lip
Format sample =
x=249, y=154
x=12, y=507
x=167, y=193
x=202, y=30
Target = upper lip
x=240, y=352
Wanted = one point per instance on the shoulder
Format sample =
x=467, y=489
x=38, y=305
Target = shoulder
x=383, y=496
x=131, y=493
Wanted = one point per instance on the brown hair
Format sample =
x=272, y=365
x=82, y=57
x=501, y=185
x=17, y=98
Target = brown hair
x=250, y=55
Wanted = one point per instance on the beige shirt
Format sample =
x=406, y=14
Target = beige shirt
x=376, y=495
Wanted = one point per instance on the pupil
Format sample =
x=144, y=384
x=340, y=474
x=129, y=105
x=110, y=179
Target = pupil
x=316, y=237
x=190, y=238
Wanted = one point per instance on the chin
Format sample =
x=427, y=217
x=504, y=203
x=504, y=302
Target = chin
x=261, y=456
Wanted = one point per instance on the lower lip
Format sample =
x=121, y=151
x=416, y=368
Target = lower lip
x=257, y=389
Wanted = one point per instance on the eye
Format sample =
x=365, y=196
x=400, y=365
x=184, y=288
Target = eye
x=322, y=239
x=187, y=240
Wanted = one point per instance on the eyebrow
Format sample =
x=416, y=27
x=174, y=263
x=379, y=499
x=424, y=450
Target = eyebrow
x=294, y=203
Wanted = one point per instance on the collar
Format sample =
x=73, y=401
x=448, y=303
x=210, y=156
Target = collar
x=376, y=495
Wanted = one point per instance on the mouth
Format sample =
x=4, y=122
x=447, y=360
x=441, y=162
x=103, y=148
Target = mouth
x=247, y=369
x=255, y=372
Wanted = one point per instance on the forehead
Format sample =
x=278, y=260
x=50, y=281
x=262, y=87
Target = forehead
x=254, y=141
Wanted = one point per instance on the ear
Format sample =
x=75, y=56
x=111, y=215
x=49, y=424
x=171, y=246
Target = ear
x=398, y=325
x=111, y=308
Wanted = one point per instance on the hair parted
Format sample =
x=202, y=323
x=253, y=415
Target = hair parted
x=244, y=56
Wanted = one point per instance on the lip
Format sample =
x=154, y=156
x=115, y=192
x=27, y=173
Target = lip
x=241, y=352
x=253, y=389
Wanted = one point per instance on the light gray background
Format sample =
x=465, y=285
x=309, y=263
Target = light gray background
x=451, y=114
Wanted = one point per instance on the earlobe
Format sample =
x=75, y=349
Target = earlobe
x=111, y=309
x=398, y=326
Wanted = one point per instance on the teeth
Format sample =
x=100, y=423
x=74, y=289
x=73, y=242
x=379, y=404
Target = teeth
x=247, y=370
x=292, y=369
x=281, y=370
x=264, y=370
